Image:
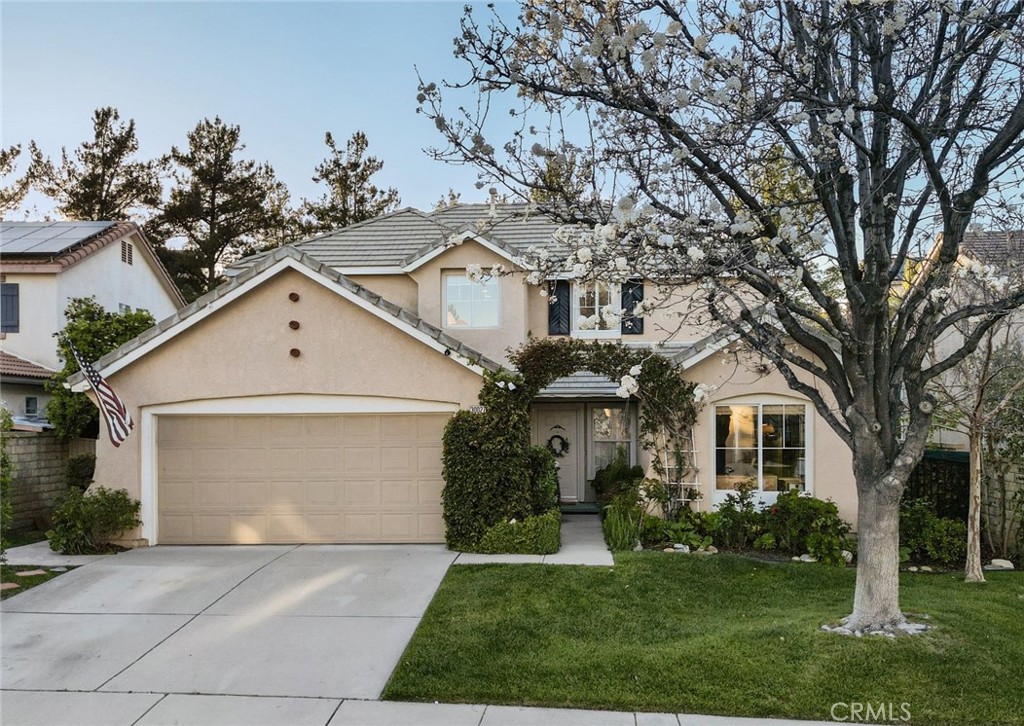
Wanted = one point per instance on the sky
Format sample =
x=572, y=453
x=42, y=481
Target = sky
x=285, y=72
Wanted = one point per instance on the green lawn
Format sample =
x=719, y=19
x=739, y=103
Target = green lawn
x=719, y=635
x=7, y=574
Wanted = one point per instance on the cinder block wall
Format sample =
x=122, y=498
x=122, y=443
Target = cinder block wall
x=991, y=501
x=38, y=461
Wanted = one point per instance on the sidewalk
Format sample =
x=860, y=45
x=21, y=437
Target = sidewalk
x=39, y=553
x=582, y=544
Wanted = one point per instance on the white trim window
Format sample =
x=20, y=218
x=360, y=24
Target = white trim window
x=761, y=444
x=596, y=309
x=611, y=428
x=471, y=304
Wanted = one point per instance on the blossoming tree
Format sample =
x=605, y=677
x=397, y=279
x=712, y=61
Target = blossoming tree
x=902, y=122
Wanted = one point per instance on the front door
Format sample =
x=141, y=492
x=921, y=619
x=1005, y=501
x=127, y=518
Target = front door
x=559, y=430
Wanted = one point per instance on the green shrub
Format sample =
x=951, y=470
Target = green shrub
x=536, y=535
x=487, y=464
x=739, y=522
x=799, y=523
x=622, y=528
x=765, y=542
x=616, y=478
x=85, y=523
x=928, y=537
x=543, y=480
x=6, y=509
x=79, y=470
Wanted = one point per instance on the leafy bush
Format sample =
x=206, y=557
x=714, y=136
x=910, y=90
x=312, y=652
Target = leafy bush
x=617, y=477
x=84, y=523
x=536, y=535
x=798, y=524
x=6, y=509
x=739, y=521
x=79, y=470
x=928, y=537
x=487, y=464
x=543, y=480
x=622, y=527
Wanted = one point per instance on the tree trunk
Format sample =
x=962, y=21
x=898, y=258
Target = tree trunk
x=972, y=570
x=876, y=598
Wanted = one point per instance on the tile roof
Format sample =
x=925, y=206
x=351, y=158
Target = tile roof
x=1004, y=250
x=321, y=268
x=582, y=384
x=14, y=367
x=401, y=237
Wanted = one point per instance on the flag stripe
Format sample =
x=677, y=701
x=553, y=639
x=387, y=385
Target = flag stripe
x=115, y=413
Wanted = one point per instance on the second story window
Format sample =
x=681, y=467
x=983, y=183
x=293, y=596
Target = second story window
x=471, y=304
x=597, y=309
x=10, y=307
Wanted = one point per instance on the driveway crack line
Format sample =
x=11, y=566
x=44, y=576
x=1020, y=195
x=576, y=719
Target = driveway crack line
x=143, y=715
x=186, y=623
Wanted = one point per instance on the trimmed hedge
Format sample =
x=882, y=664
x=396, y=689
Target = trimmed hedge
x=537, y=535
x=543, y=479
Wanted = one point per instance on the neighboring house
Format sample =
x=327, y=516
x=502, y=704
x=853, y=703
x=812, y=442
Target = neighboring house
x=43, y=265
x=304, y=400
x=23, y=395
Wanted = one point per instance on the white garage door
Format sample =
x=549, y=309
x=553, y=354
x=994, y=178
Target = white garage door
x=284, y=479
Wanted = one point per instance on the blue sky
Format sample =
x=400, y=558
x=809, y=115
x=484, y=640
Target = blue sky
x=285, y=72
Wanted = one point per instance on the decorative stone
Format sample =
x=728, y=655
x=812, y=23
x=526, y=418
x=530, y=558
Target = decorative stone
x=711, y=550
x=685, y=549
x=847, y=556
x=808, y=558
x=795, y=558
x=30, y=573
x=999, y=565
x=668, y=549
x=58, y=569
x=926, y=568
x=912, y=568
x=8, y=585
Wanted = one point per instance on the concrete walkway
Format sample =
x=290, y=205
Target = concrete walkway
x=582, y=544
x=33, y=708
x=39, y=553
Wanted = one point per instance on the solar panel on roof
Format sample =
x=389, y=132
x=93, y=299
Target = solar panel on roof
x=47, y=238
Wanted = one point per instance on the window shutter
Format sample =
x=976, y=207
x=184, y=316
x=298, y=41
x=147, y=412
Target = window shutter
x=558, y=310
x=632, y=293
x=10, y=317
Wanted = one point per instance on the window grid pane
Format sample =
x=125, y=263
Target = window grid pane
x=764, y=442
x=471, y=304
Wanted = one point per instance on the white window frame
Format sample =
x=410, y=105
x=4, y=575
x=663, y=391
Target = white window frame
x=615, y=289
x=444, y=303
x=761, y=401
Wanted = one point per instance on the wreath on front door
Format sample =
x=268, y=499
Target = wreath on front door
x=558, y=446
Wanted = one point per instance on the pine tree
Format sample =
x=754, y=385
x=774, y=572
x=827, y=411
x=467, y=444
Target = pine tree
x=351, y=196
x=12, y=194
x=101, y=180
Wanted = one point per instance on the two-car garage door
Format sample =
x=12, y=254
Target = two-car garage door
x=297, y=478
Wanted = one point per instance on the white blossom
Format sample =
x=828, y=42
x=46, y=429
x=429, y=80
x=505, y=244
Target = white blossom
x=635, y=370
x=695, y=253
x=474, y=273
x=627, y=387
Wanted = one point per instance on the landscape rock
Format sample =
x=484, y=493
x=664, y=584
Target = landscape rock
x=668, y=549
x=795, y=558
x=808, y=558
x=912, y=568
x=847, y=556
x=58, y=569
x=926, y=568
x=685, y=549
x=999, y=565
x=711, y=550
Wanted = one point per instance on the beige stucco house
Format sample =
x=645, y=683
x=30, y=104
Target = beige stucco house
x=304, y=400
x=43, y=265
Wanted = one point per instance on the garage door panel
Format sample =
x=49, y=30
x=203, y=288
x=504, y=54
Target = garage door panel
x=284, y=479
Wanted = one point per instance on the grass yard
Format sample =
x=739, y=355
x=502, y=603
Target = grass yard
x=8, y=573
x=718, y=635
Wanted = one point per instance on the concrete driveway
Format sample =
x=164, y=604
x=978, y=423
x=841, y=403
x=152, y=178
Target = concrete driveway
x=300, y=628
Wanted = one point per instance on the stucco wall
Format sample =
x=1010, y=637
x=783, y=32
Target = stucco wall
x=12, y=397
x=492, y=342
x=40, y=316
x=399, y=289
x=243, y=349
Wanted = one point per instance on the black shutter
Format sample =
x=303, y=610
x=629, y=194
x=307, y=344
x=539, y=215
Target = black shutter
x=9, y=308
x=558, y=309
x=632, y=293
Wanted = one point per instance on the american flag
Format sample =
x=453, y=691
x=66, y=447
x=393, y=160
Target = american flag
x=115, y=413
